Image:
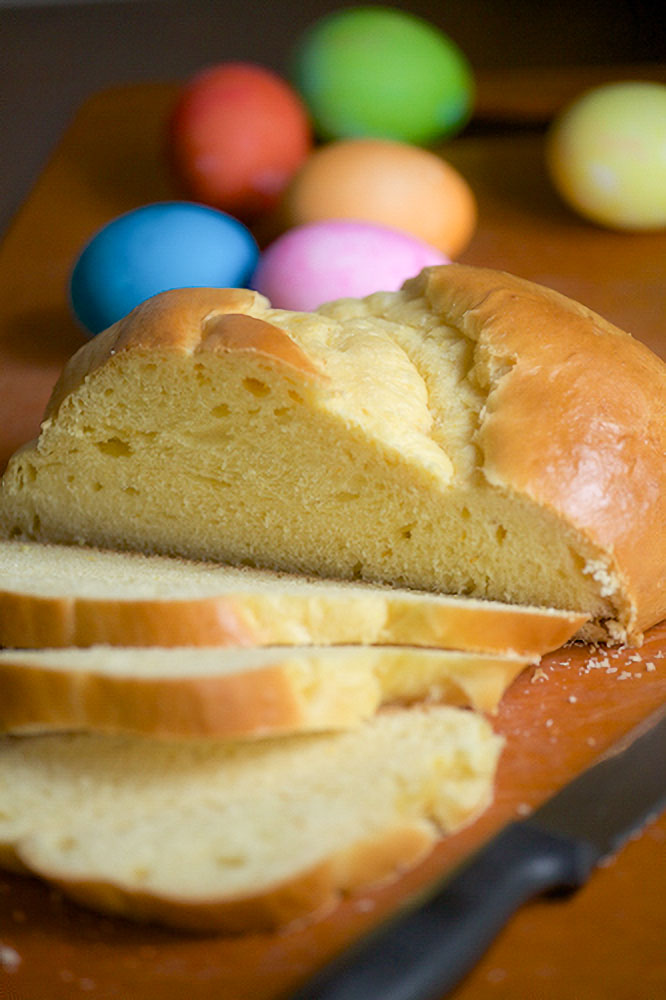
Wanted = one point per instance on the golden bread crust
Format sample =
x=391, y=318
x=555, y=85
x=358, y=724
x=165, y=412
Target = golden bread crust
x=603, y=467
x=31, y=621
x=238, y=706
x=187, y=320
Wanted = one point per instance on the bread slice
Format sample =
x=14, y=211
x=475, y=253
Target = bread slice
x=473, y=434
x=61, y=596
x=237, y=836
x=237, y=693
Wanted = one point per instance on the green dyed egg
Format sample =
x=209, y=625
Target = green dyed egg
x=381, y=72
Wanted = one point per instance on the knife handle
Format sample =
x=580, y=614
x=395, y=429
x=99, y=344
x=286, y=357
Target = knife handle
x=423, y=953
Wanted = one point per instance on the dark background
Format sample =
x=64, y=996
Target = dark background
x=54, y=55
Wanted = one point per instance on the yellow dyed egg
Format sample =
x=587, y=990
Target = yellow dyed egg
x=606, y=155
x=388, y=183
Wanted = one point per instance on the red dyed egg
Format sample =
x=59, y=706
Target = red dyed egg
x=236, y=135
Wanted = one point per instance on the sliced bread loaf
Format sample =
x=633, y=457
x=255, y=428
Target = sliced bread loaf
x=61, y=596
x=237, y=693
x=236, y=836
x=474, y=433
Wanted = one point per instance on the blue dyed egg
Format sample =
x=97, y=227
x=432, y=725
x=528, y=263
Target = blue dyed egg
x=152, y=249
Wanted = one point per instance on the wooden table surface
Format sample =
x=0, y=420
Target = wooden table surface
x=606, y=942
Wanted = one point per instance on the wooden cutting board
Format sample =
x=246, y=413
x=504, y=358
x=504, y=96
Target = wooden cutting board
x=608, y=941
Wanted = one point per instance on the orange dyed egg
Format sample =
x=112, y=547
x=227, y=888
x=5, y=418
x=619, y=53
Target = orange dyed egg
x=386, y=182
x=236, y=135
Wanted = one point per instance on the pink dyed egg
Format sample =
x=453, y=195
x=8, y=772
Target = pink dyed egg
x=316, y=263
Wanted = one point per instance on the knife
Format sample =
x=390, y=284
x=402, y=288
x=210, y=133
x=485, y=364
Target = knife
x=433, y=942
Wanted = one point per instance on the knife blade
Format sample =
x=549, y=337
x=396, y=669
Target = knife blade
x=436, y=939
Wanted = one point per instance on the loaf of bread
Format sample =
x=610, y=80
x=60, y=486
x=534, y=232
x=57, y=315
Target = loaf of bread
x=473, y=433
x=236, y=693
x=235, y=836
x=61, y=596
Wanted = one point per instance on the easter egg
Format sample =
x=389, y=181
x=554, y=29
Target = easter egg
x=312, y=264
x=236, y=134
x=379, y=71
x=606, y=155
x=389, y=183
x=154, y=248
